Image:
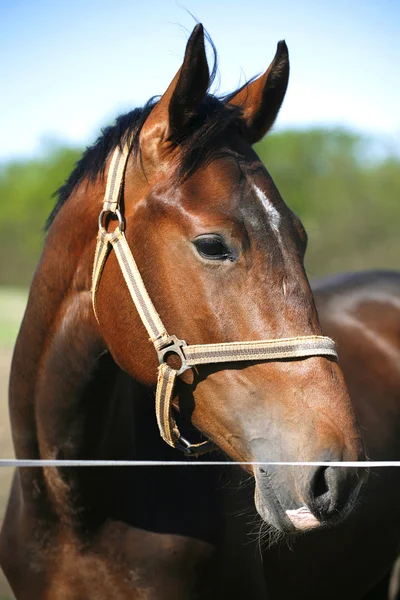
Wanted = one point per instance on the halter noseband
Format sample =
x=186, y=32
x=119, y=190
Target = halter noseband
x=165, y=344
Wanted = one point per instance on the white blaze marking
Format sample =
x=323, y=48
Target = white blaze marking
x=274, y=216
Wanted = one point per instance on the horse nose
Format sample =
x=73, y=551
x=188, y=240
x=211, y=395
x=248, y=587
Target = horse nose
x=333, y=490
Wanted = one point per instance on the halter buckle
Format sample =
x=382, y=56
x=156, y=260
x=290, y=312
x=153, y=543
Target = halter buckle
x=174, y=346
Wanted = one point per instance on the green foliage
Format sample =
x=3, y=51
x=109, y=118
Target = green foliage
x=343, y=187
x=26, y=190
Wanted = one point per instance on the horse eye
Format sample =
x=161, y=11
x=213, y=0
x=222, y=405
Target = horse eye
x=212, y=247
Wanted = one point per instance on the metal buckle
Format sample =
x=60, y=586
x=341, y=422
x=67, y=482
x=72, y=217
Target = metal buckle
x=184, y=446
x=174, y=346
x=121, y=223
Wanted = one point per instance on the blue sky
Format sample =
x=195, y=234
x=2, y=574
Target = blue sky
x=69, y=67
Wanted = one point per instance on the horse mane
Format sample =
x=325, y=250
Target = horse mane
x=214, y=116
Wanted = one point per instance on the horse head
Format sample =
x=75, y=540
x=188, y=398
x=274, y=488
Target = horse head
x=221, y=256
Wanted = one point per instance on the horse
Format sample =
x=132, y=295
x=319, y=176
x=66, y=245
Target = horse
x=196, y=223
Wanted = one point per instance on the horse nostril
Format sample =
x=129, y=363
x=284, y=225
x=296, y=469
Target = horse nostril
x=332, y=489
x=319, y=484
x=263, y=471
x=323, y=493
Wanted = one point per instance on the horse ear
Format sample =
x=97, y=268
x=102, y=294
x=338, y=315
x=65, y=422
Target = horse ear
x=262, y=98
x=171, y=116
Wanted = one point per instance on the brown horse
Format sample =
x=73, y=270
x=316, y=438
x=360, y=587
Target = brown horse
x=221, y=256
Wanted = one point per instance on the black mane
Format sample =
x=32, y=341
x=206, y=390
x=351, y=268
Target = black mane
x=213, y=117
x=93, y=160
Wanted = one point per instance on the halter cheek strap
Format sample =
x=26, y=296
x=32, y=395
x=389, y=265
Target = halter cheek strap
x=165, y=344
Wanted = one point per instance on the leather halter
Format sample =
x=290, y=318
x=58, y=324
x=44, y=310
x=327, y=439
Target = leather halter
x=165, y=344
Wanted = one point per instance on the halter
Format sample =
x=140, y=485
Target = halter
x=165, y=344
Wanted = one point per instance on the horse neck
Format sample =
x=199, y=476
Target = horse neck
x=66, y=392
x=121, y=413
x=58, y=340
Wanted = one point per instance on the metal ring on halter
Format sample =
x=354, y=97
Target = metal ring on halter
x=175, y=346
x=185, y=446
x=121, y=223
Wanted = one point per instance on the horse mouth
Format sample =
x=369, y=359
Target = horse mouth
x=287, y=521
x=303, y=519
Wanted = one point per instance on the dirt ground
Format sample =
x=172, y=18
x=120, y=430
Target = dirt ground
x=6, y=451
x=12, y=306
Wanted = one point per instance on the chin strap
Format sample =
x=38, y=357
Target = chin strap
x=166, y=345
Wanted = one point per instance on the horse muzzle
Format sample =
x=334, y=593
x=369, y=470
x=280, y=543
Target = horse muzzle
x=300, y=498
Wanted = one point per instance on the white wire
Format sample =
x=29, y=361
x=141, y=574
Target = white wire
x=10, y=462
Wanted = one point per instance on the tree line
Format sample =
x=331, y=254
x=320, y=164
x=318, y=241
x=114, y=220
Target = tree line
x=344, y=186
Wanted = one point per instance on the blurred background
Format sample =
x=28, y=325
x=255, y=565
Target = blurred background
x=334, y=154
x=72, y=67
x=69, y=68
